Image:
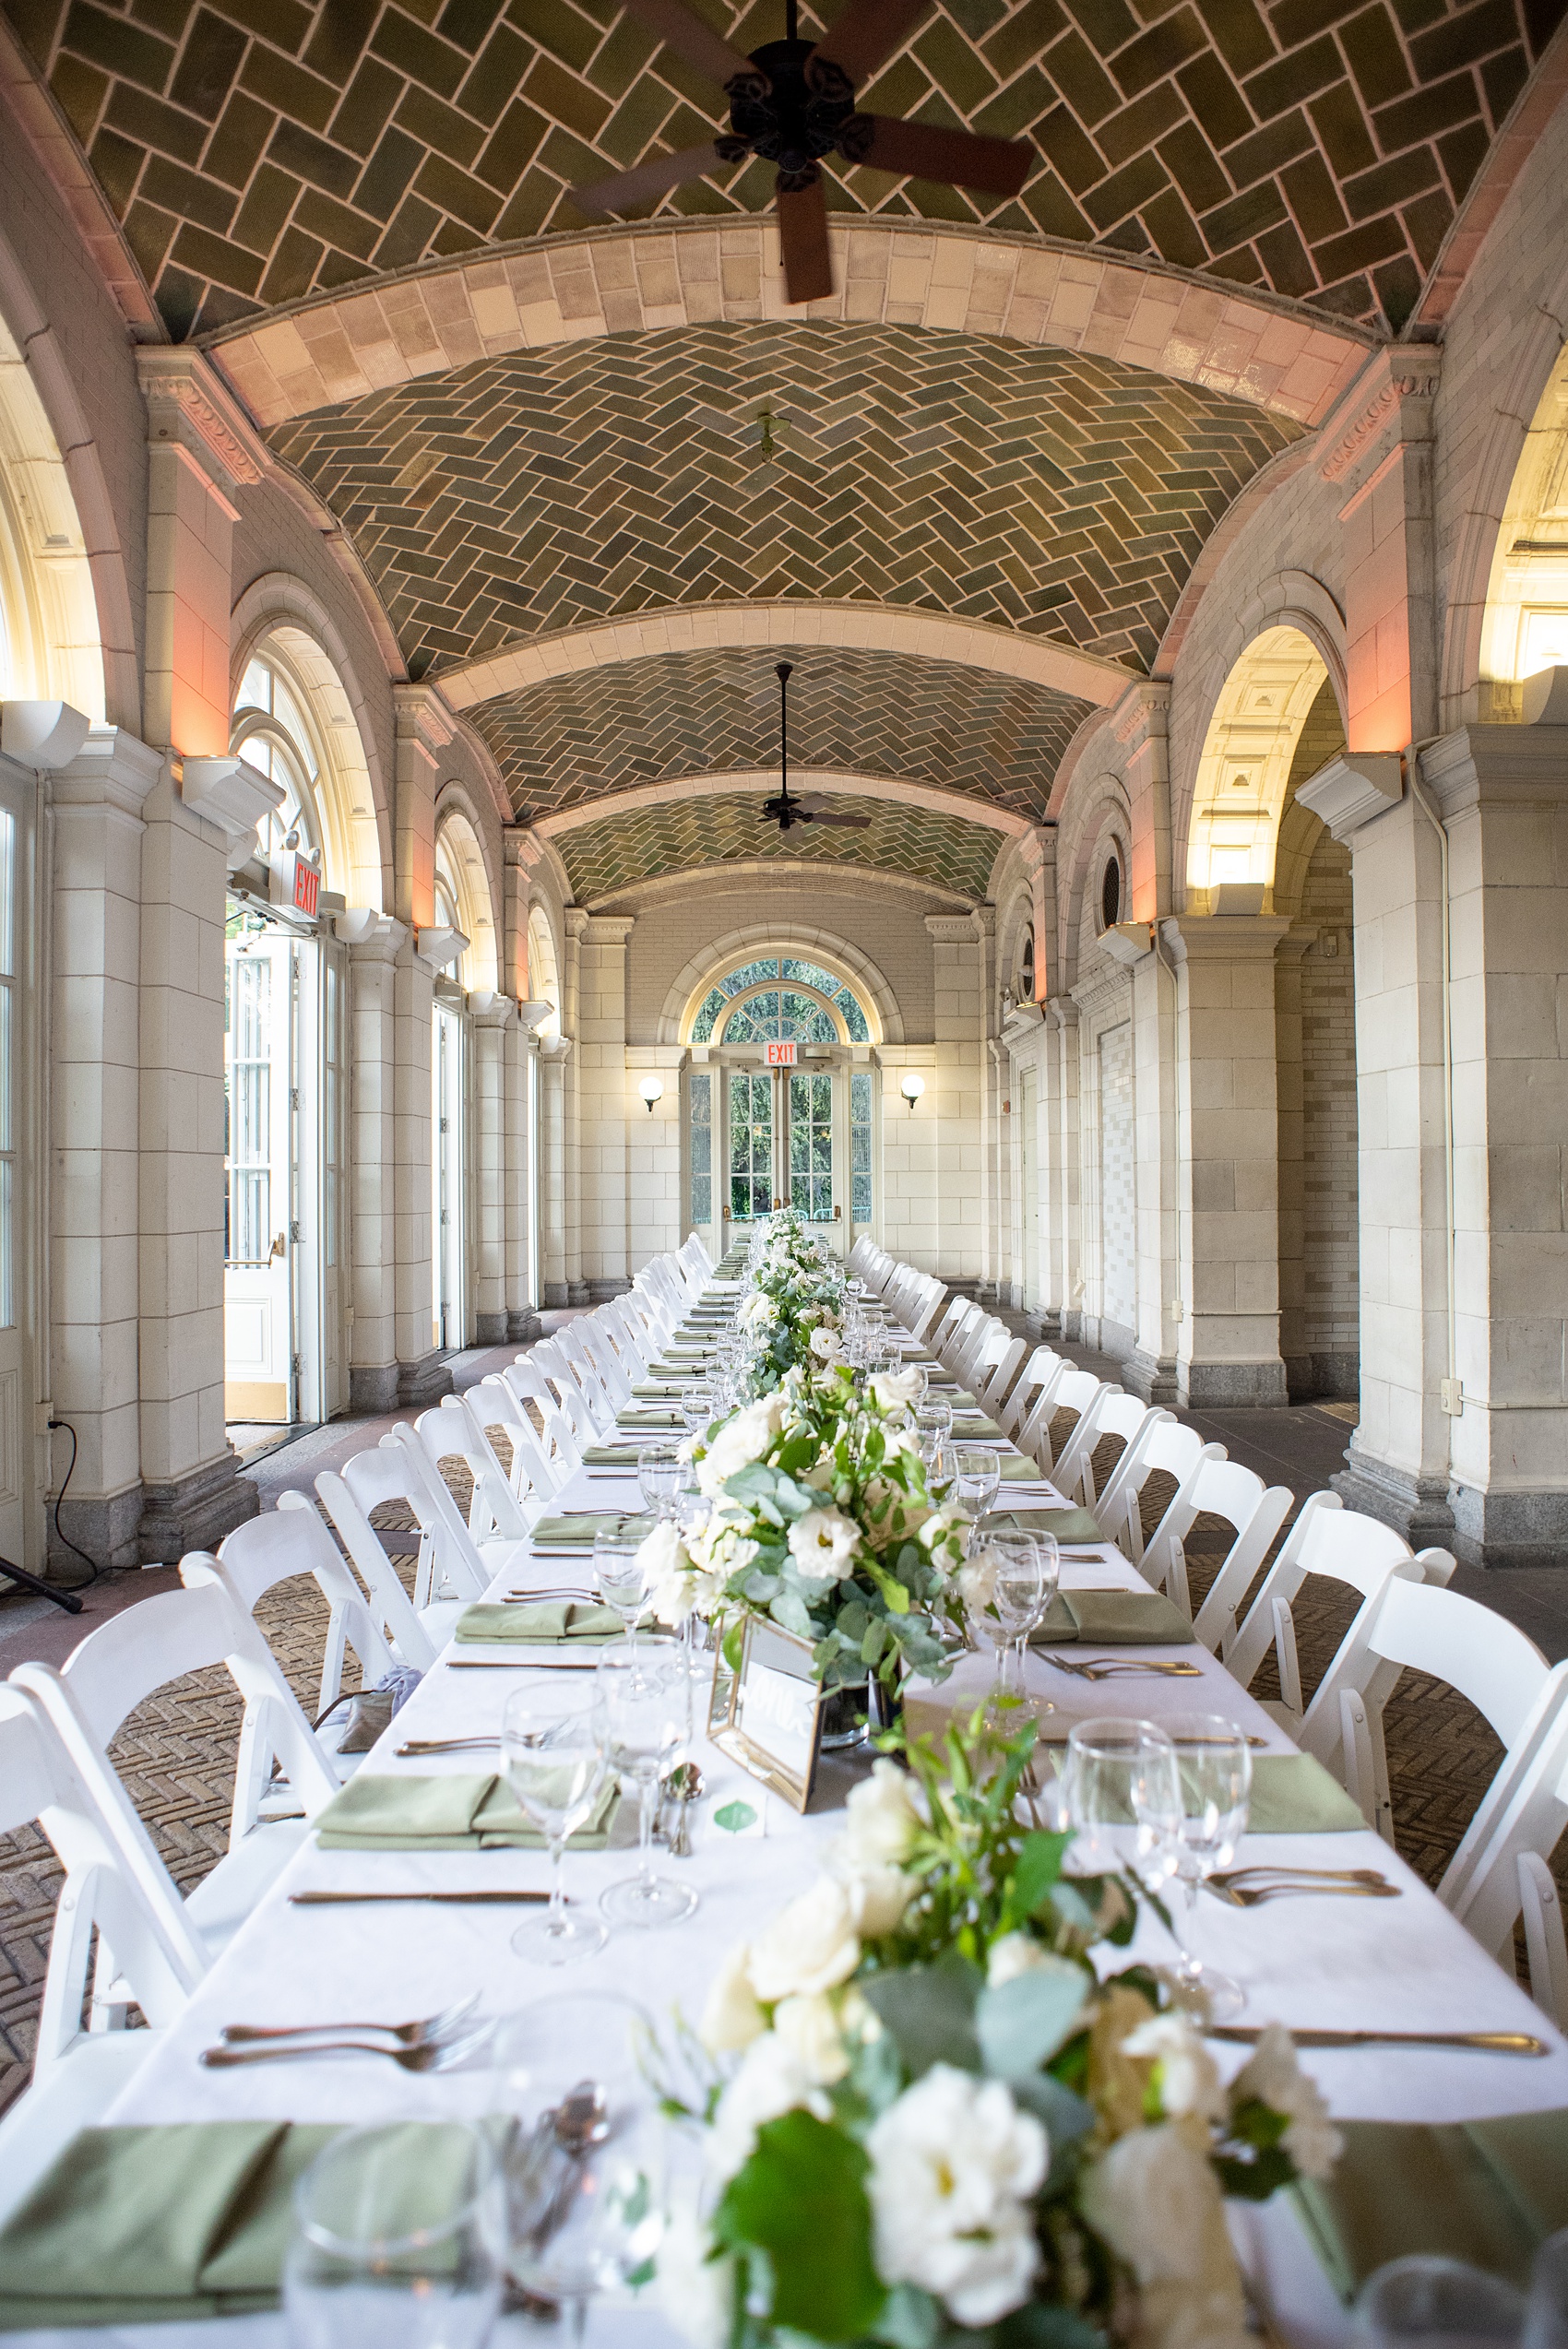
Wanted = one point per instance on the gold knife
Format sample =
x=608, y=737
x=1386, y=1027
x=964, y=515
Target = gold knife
x=340, y=1900
x=1490, y=2043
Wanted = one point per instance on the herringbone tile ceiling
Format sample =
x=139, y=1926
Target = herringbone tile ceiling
x=884, y=716
x=684, y=836
x=257, y=151
x=1043, y=490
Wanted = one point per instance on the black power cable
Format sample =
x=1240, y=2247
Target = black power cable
x=93, y=1570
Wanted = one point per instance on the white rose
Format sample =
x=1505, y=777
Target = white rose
x=977, y=1580
x=881, y=1820
x=740, y=1440
x=731, y=2018
x=824, y=1344
x=695, y=2291
x=811, y=1945
x=757, y=1307
x=894, y=1390
x=823, y=1545
x=667, y=1566
x=1187, y=2079
x=953, y=2164
x=809, y=2028
x=949, y=1519
x=1274, y=2076
x=771, y=2081
x=880, y=1896
x=1155, y=2200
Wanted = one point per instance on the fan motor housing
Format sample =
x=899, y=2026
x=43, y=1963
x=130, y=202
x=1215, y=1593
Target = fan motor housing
x=787, y=115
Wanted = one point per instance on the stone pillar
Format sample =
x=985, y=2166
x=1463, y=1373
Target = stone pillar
x=605, y=1110
x=1398, y=1455
x=947, y=1170
x=554, y=1051
x=1295, y=1345
x=93, y=1306
x=1381, y=459
x=1227, y=1347
x=198, y=460
x=492, y=1016
x=655, y=1210
x=521, y=1174
x=424, y=727
x=1062, y=1241
x=375, y=942
x=576, y=922
x=1150, y=1370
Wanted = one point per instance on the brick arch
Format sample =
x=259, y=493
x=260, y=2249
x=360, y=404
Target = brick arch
x=751, y=943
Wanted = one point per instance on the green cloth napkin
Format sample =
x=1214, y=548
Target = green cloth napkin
x=611, y=1455
x=459, y=1814
x=972, y=1427
x=581, y=1532
x=549, y=1621
x=1114, y=1618
x=159, y=2224
x=1293, y=1794
x=1068, y=1525
x=657, y=1390
x=1486, y=2191
x=651, y=1422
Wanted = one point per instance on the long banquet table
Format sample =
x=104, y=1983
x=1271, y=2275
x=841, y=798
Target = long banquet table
x=1399, y=1964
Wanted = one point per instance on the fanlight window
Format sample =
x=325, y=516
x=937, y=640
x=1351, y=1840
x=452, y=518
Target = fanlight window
x=272, y=735
x=779, y=1010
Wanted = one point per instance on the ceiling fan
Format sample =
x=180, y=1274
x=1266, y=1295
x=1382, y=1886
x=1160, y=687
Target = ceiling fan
x=793, y=102
x=785, y=809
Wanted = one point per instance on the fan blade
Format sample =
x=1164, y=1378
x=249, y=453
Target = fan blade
x=802, y=238
x=698, y=43
x=846, y=823
x=867, y=32
x=994, y=166
x=655, y=177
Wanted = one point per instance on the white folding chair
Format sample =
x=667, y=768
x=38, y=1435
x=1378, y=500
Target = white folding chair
x=115, y=1668
x=1345, y=1547
x=1545, y=1947
x=536, y=1474
x=982, y=1332
x=391, y=1472
x=1032, y=1390
x=997, y=1371
x=1135, y=1422
x=76, y=2074
x=590, y=1415
x=449, y=1565
x=1254, y=1512
x=1174, y=1450
x=563, y=1444
x=1071, y=1471
x=1078, y=1391
x=453, y=1432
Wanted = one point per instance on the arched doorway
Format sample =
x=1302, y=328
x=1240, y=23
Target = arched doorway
x=780, y=1101
x=287, y=1275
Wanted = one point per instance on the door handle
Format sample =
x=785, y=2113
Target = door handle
x=278, y=1247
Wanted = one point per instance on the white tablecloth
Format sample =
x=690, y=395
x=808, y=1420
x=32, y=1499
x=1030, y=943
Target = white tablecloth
x=1400, y=1964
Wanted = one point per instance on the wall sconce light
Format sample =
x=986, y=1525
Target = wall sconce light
x=652, y=1090
x=912, y=1087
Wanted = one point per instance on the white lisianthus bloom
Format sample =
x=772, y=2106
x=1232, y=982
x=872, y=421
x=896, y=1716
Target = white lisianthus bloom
x=1155, y=2200
x=954, y=2161
x=880, y=1896
x=740, y=1440
x=1187, y=2078
x=1272, y=2075
x=880, y=1818
x=666, y=1564
x=695, y=2292
x=811, y=1945
x=731, y=2018
x=772, y=2080
x=823, y=1545
x=941, y=1523
x=809, y=2028
x=895, y=1390
x=977, y=1580
x=824, y=1344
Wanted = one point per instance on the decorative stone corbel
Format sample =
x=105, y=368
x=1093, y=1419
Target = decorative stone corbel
x=234, y=796
x=1353, y=789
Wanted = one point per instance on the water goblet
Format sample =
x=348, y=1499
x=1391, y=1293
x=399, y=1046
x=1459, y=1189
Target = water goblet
x=697, y=1407
x=660, y=1471
x=1194, y=1833
x=1546, y=2319
x=390, y=2252
x=555, y=1742
x=933, y=1418
x=621, y=1577
x=1117, y=1774
x=644, y=1691
x=1438, y=2302
x=977, y=1473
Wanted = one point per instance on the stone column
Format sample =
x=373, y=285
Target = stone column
x=946, y=1172
x=576, y=922
x=424, y=728
x=1295, y=1347
x=1381, y=459
x=656, y=1209
x=554, y=1051
x=1150, y=1370
x=1228, y=1348
x=493, y=1023
x=1398, y=1454
x=93, y=1306
x=600, y=1059
x=375, y=942
x=1062, y=1241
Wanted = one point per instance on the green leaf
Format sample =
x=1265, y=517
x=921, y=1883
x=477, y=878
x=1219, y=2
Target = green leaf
x=735, y=1818
x=1021, y=2024
x=802, y=2199
x=1066, y=2117
x=1040, y=1865
x=1255, y=2181
x=910, y=2319
x=1038, y=2327
x=930, y=2011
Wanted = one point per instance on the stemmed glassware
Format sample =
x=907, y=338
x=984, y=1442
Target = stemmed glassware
x=1196, y=1824
x=555, y=1744
x=1441, y=2304
x=1546, y=2320
x=386, y=2256
x=645, y=1691
x=620, y=1576
x=1118, y=1785
x=1014, y=1579
x=977, y=1476
x=660, y=1473
x=697, y=1407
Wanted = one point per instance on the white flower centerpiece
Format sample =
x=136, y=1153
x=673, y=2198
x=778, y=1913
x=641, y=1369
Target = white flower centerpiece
x=927, y=2120
x=794, y=1312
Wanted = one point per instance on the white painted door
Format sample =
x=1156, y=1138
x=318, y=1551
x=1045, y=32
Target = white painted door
x=259, y=1051
x=20, y=1522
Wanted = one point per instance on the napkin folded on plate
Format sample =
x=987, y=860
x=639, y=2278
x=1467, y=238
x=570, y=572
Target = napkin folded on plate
x=549, y=1622
x=166, y=2225
x=657, y=1390
x=581, y=1532
x=467, y=1813
x=1068, y=1525
x=1114, y=1618
x=611, y=1455
x=1293, y=1794
x=653, y=1422
x=1486, y=2191
x=973, y=1427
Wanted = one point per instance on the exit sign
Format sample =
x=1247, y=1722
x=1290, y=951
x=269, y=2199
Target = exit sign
x=307, y=886
x=782, y=1056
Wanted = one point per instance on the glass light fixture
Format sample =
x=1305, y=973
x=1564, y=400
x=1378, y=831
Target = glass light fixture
x=912, y=1087
x=652, y=1090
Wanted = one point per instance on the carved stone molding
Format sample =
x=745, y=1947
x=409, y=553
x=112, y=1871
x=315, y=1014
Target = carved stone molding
x=1397, y=407
x=188, y=406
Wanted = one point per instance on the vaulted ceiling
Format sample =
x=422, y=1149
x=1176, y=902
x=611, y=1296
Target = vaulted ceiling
x=259, y=151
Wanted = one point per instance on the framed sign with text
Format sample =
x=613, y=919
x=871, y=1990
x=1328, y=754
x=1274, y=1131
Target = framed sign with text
x=766, y=1713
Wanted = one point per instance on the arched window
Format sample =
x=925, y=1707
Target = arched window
x=462, y=901
x=273, y=733
x=1111, y=893
x=1027, y=967
x=544, y=983
x=780, y=997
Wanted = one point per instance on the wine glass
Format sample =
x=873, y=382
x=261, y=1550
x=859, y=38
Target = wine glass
x=1197, y=1826
x=555, y=1744
x=620, y=1575
x=933, y=1420
x=1546, y=2319
x=977, y=1474
x=697, y=1407
x=660, y=1471
x=645, y=1693
x=390, y=2252
x=1027, y=1569
x=1439, y=2302
x=1117, y=1773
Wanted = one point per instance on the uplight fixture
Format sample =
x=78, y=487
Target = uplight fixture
x=912, y=1087
x=652, y=1090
